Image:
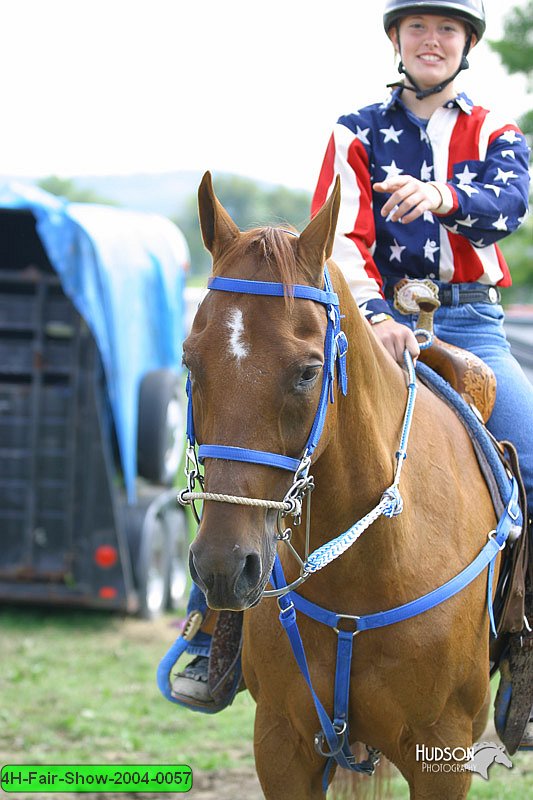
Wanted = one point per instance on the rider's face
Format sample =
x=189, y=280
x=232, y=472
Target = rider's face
x=431, y=47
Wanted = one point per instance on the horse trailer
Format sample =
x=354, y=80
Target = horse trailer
x=91, y=419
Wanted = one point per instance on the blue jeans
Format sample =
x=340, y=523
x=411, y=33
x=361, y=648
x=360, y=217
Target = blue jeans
x=478, y=327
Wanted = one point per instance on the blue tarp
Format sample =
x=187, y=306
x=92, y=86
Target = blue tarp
x=124, y=272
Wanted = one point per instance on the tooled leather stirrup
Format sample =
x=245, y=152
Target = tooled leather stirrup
x=465, y=372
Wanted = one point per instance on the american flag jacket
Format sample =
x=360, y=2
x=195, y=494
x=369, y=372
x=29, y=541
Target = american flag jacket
x=482, y=158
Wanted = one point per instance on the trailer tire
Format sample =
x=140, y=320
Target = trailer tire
x=161, y=427
x=178, y=560
x=153, y=569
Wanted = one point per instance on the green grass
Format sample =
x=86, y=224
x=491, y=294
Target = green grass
x=79, y=688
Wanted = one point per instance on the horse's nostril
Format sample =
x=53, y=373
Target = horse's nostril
x=251, y=572
x=203, y=584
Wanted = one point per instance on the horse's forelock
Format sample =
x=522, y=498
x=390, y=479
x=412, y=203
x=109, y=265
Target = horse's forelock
x=273, y=251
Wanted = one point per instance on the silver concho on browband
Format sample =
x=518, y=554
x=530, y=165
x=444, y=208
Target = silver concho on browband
x=408, y=292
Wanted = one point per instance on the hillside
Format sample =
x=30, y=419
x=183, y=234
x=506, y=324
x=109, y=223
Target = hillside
x=163, y=193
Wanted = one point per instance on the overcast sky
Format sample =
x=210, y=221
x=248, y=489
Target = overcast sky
x=123, y=86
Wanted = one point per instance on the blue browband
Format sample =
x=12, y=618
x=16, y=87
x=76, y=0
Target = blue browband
x=335, y=347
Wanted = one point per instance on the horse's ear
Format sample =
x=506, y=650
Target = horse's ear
x=218, y=228
x=316, y=241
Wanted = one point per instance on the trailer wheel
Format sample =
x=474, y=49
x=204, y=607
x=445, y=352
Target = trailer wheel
x=161, y=427
x=178, y=560
x=153, y=570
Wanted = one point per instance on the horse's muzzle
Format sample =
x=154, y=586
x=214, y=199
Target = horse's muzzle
x=234, y=582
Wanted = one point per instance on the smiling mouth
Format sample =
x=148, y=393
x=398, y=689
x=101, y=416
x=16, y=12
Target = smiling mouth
x=428, y=58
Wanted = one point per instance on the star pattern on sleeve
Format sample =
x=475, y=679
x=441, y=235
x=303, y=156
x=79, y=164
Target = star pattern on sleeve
x=465, y=177
x=465, y=181
x=504, y=176
x=511, y=137
x=467, y=189
x=495, y=189
x=468, y=221
x=501, y=223
x=391, y=135
x=508, y=154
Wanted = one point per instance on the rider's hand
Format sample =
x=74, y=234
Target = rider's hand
x=409, y=198
x=396, y=337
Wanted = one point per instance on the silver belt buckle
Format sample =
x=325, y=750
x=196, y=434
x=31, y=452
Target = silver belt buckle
x=407, y=292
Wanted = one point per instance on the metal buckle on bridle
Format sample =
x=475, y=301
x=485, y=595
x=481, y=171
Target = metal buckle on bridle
x=367, y=767
x=320, y=740
x=353, y=619
x=302, y=486
x=192, y=473
x=302, y=483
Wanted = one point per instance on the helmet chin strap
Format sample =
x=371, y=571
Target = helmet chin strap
x=421, y=94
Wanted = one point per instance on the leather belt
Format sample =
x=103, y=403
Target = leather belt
x=465, y=293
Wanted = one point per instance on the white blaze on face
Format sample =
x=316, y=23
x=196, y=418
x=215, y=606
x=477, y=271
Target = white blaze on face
x=238, y=347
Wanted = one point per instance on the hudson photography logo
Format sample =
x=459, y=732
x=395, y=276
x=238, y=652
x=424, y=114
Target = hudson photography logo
x=475, y=759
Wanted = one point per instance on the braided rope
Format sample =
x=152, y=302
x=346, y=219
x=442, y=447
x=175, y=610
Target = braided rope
x=186, y=497
x=390, y=505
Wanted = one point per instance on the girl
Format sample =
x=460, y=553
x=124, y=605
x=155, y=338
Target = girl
x=430, y=183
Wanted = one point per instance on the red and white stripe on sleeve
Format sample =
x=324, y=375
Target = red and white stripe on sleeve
x=355, y=237
x=467, y=141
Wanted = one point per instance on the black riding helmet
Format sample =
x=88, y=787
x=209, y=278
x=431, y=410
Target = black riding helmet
x=470, y=11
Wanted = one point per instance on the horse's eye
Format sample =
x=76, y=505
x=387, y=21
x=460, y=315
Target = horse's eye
x=308, y=376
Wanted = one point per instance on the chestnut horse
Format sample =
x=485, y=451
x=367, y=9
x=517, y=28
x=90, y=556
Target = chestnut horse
x=256, y=366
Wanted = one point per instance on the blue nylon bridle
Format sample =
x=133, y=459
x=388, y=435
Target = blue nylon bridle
x=335, y=733
x=335, y=347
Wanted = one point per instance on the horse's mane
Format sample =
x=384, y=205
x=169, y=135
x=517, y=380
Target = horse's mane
x=273, y=251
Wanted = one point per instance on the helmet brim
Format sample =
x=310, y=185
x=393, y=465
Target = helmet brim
x=447, y=9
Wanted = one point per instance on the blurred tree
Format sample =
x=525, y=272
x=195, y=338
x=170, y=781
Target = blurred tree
x=66, y=187
x=516, y=50
x=518, y=252
x=250, y=204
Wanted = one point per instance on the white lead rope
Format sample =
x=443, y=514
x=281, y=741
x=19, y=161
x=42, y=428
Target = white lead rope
x=187, y=497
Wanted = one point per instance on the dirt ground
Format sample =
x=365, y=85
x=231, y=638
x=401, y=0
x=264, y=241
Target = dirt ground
x=226, y=785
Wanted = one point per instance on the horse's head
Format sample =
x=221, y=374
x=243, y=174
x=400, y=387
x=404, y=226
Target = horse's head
x=501, y=757
x=255, y=367
x=484, y=755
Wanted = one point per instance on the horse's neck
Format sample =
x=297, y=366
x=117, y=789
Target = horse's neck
x=361, y=454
